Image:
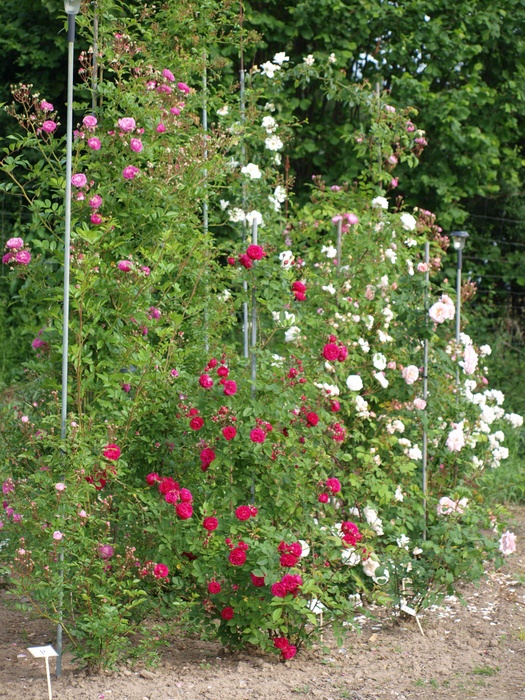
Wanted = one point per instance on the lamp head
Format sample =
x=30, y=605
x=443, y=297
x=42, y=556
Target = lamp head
x=72, y=7
x=459, y=238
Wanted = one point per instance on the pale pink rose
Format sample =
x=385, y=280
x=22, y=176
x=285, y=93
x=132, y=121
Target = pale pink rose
x=14, y=243
x=25, y=419
x=470, y=359
x=455, y=440
x=60, y=486
x=445, y=506
x=422, y=267
x=410, y=374
x=420, y=404
x=127, y=124
x=438, y=312
x=391, y=365
x=507, y=543
x=57, y=535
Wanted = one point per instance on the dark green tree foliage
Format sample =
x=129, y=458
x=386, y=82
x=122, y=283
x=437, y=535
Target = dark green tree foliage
x=461, y=65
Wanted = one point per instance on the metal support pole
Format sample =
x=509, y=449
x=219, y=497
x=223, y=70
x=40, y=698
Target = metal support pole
x=425, y=393
x=458, y=313
x=339, y=242
x=67, y=253
x=254, y=321
x=205, y=201
x=245, y=323
x=94, y=73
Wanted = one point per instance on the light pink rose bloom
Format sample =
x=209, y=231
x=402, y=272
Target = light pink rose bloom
x=89, y=121
x=94, y=143
x=438, y=312
x=60, y=486
x=445, y=506
x=470, y=358
x=14, y=243
x=507, y=543
x=455, y=440
x=25, y=419
x=49, y=126
x=46, y=106
x=79, y=180
x=420, y=404
x=410, y=374
x=127, y=124
x=422, y=267
x=23, y=257
x=57, y=535
x=136, y=145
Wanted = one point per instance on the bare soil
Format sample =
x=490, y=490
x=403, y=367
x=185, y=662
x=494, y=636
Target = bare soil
x=471, y=649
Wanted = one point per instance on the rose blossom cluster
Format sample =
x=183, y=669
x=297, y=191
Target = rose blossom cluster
x=206, y=381
x=17, y=253
x=246, y=259
x=237, y=556
x=288, y=651
x=335, y=350
x=332, y=485
x=442, y=310
x=290, y=553
x=246, y=512
x=181, y=498
x=446, y=506
x=289, y=583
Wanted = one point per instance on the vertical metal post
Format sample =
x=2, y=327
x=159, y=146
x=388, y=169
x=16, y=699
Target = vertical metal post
x=205, y=201
x=94, y=73
x=458, y=314
x=245, y=324
x=254, y=320
x=425, y=393
x=67, y=253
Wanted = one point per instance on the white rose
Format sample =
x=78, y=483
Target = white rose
x=354, y=382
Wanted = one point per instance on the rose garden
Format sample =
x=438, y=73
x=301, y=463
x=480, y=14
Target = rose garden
x=256, y=448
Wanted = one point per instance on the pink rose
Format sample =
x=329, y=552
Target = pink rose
x=89, y=121
x=49, y=126
x=183, y=88
x=130, y=172
x=79, y=180
x=46, y=106
x=127, y=124
x=125, y=265
x=23, y=257
x=14, y=243
x=168, y=75
x=94, y=143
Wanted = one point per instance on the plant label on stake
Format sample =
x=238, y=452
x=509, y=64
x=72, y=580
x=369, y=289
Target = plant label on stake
x=45, y=653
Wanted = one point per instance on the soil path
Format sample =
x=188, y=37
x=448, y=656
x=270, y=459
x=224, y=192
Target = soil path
x=473, y=650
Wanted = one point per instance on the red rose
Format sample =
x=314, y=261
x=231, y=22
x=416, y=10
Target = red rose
x=289, y=652
x=243, y=513
x=295, y=549
x=185, y=496
x=152, y=479
x=210, y=524
x=330, y=352
x=205, y=381
x=229, y=432
x=299, y=287
x=196, y=423
x=255, y=252
x=288, y=560
x=172, y=497
x=237, y=557
x=245, y=261
x=214, y=587
x=323, y=498
x=343, y=353
x=278, y=590
x=230, y=387
x=281, y=643
x=184, y=510
x=167, y=484
x=333, y=485
x=312, y=418
x=291, y=582
x=112, y=452
x=258, y=581
x=213, y=363
x=231, y=261
x=207, y=456
x=223, y=371
x=300, y=296
x=227, y=613
x=257, y=435
x=335, y=406
x=160, y=571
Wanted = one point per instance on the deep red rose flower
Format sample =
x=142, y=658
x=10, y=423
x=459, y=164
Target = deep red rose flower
x=152, y=478
x=288, y=560
x=185, y=496
x=289, y=652
x=278, y=590
x=231, y=261
x=112, y=452
x=343, y=353
x=193, y=412
x=253, y=511
x=243, y=513
x=184, y=510
x=291, y=582
x=300, y=296
x=335, y=406
x=210, y=524
x=207, y=456
x=312, y=418
x=160, y=571
x=214, y=587
x=227, y=613
x=196, y=423
x=255, y=252
x=258, y=581
x=295, y=549
x=205, y=381
x=331, y=352
x=323, y=498
x=237, y=557
x=213, y=363
x=293, y=372
x=281, y=643
x=333, y=485
x=168, y=484
x=230, y=387
x=223, y=371
x=172, y=497
x=299, y=287
x=257, y=435
x=229, y=432
x=245, y=261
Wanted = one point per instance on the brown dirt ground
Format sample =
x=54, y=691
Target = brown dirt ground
x=472, y=650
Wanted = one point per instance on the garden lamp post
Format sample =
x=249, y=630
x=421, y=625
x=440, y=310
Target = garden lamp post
x=72, y=8
x=459, y=238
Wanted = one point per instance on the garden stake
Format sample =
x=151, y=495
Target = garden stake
x=339, y=242
x=245, y=321
x=425, y=394
x=205, y=200
x=254, y=342
x=72, y=7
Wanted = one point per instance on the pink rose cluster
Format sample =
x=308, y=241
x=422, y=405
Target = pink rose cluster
x=348, y=219
x=334, y=350
x=447, y=506
x=237, y=556
x=206, y=381
x=173, y=494
x=244, y=513
x=332, y=485
x=259, y=433
x=16, y=252
x=290, y=553
x=299, y=290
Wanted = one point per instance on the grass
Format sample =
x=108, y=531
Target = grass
x=486, y=670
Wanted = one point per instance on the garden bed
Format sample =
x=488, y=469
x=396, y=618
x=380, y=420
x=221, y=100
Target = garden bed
x=470, y=650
